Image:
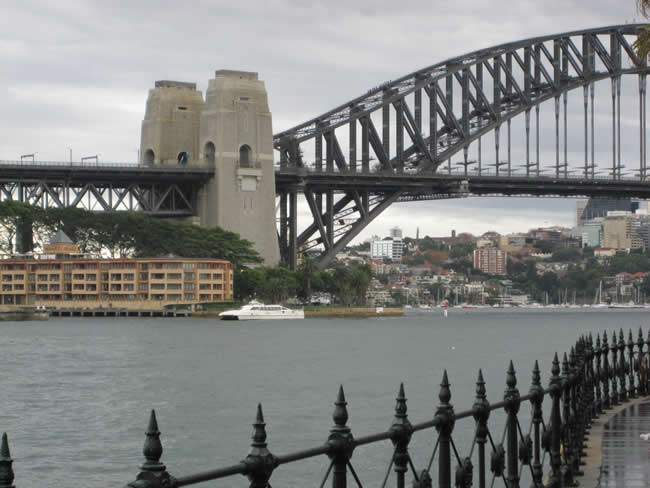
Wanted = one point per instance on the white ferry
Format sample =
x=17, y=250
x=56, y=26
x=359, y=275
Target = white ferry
x=258, y=311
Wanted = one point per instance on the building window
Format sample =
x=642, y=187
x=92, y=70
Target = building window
x=188, y=265
x=173, y=276
x=188, y=276
x=189, y=296
x=245, y=156
x=189, y=287
x=208, y=152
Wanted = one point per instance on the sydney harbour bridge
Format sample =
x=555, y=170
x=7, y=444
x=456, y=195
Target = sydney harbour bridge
x=444, y=131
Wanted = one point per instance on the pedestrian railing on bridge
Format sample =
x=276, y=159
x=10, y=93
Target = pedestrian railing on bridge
x=592, y=378
x=100, y=165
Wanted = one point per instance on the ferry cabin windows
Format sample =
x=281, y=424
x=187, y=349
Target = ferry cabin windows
x=245, y=156
x=149, y=157
x=208, y=152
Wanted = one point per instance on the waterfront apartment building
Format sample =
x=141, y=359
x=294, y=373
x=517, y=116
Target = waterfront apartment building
x=63, y=277
x=491, y=260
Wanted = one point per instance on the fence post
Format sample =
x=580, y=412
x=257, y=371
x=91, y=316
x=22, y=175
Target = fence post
x=340, y=442
x=153, y=473
x=622, y=368
x=586, y=383
x=511, y=399
x=445, y=417
x=481, y=409
x=613, y=371
x=630, y=366
x=556, y=425
x=402, y=432
x=259, y=462
x=6, y=471
x=605, y=374
x=567, y=425
x=537, y=397
x=647, y=379
x=642, y=383
x=598, y=377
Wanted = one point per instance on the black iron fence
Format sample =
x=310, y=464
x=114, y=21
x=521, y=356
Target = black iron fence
x=591, y=378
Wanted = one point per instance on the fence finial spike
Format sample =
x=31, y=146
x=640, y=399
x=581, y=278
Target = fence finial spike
x=152, y=449
x=4, y=447
x=340, y=415
x=259, y=428
x=445, y=392
x=6, y=471
x=400, y=403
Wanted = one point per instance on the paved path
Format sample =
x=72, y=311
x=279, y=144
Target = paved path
x=625, y=457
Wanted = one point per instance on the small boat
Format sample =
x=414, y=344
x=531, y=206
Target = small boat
x=255, y=310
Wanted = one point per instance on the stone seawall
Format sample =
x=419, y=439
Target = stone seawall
x=353, y=312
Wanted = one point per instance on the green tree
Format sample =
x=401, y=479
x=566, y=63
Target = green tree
x=277, y=284
x=567, y=254
x=246, y=282
x=124, y=233
x=461, y=250
x=642, y=44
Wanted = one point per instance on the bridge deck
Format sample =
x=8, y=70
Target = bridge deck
x=625, y=457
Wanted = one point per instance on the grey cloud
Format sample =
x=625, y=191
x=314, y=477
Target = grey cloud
x=76, y=73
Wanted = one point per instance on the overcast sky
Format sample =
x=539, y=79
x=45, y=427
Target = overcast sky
x=75, y=74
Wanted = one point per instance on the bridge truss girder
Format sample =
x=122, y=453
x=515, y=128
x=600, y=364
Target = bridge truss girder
x=161, y=200
x=413, y=125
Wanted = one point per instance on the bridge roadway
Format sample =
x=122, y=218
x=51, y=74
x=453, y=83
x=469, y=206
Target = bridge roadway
x=412, y=186
x=434, y=185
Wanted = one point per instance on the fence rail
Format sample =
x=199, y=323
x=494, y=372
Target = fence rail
x=591, y=378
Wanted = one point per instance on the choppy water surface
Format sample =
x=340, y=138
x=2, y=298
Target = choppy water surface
x=75, y=393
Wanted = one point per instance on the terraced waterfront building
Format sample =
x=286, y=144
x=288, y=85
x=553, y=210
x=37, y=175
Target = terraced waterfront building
x=62, y=277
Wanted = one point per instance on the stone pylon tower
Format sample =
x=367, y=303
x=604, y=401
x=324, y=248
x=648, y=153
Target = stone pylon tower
x=170, y=129
x=236, y=135
x=230, y=130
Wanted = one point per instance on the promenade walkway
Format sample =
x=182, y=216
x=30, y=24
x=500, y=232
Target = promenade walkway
x=625, y=458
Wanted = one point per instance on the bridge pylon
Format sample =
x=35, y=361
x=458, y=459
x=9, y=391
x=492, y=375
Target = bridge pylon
x=231, y=130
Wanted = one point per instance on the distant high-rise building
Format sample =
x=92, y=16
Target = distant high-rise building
x=591, y=233
x=395, y=233
x=391, y=248
x=491, y=260
x=620, y=231
x=580, y=208
x=598, y=207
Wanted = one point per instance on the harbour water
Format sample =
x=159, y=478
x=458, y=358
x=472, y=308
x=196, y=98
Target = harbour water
x=75, y=393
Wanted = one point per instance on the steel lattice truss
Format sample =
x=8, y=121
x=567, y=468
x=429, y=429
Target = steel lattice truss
x=163, y=192
x=414, y=125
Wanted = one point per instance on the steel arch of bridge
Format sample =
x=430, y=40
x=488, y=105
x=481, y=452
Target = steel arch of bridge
x=464, y=98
